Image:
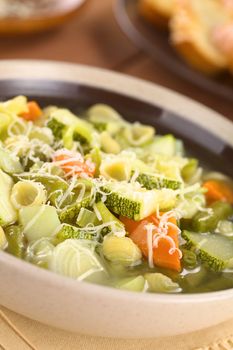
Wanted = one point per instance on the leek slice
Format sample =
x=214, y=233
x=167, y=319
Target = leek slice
x=39, y=221
x=77, y=259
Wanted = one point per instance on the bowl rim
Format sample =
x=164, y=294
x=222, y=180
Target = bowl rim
x=132, y=87
x=123, y=84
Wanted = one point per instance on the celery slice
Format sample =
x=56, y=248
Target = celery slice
x=86, y=217
x=15, y=239
x=159, y=283
x=204, y=222
x=133, y=284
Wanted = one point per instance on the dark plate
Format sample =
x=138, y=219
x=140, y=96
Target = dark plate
x=211, y=150
x=156, y=43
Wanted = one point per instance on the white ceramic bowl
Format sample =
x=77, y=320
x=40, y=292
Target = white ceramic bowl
x=92, y=309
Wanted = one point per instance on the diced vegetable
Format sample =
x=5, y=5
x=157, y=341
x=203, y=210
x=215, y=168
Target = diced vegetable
x=109, y=144
x=15, y=240
x=86, y=217
x=34, y=111
x=129, y=200
x=121, y=250
x=218, y=190
x=40, y=252
x=189, y=169
x=225, y=228
x=16, y=105
x=8, y=214
x=135, y=204
x=39, y=221
x=214, y=250
x=204, y=221
x=5, y=120
x=165, y=145
x=68, y=231
x=106, y=118
x=54, y=185
x=169, y=166
x=138, y=134
x=60, y=119
x=160, y=283
x=190, y=204
x=95, y=157
x=68, y=137
x=9, y=163
x=76, y=259
x=41, y=133
x=107, y=216
x=118, y=170
x=180, y=151
x=133, y=284
x=165, y=251
x=56, y=127
x=195, y=278
x=70, y=212
x=151, y=181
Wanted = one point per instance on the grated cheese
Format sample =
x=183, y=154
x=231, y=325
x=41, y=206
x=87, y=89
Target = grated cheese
x=68, y=192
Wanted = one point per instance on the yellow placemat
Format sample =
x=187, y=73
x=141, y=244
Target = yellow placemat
x=20, y=333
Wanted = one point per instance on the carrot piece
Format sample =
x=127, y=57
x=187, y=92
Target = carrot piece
x=162, y=255
x=34, y=111
x=73, y=163
x=218, y=190
x=130, y=225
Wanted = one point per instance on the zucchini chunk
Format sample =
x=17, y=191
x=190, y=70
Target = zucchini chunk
x=152, y=181
x=61, y=119
x=213, y=250
x=69, y=231
x=136, y=202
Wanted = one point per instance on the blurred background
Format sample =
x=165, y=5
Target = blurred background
x=87, y=32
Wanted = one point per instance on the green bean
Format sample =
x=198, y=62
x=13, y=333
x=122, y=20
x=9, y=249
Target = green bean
x=189, y=259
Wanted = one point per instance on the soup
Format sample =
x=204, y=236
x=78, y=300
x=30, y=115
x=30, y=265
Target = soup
x=102, y=200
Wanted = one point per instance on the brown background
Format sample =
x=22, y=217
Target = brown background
x=94, y=38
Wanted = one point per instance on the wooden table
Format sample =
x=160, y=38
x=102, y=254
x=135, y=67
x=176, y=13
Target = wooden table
x=94, y=38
